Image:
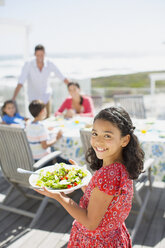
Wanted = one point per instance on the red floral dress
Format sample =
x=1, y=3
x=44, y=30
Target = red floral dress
x=111, y=232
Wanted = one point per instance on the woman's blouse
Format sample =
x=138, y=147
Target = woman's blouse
x=87, y=106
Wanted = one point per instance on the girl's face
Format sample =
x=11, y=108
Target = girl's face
x=73, y=91
x=10, y=109
x=107, y=142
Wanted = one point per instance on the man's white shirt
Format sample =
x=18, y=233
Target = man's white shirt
x=38, y=85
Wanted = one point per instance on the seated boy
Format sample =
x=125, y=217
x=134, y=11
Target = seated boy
x=37, y=132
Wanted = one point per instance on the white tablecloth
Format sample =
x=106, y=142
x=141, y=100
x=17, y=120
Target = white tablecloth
x=70, y=144
x=151, y=134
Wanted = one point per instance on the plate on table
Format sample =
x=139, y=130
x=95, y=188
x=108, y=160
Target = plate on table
x=60, y=177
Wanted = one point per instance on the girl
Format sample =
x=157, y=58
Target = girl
x=10, y=116
x=116, y=156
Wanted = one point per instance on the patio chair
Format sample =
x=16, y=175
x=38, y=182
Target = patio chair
x=144, y=180
x=97, y=101
x=139, y=184
x=85, y=135
x=133, y=104
x=15, y=153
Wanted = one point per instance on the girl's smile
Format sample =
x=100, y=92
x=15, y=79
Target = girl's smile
x=100, y=149
x=107, y=142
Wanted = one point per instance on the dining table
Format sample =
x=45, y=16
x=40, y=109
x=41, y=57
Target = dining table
x=150, y=132
x=151, y=135
x=70, y=143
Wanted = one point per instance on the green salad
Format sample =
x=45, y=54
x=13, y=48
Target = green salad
x=61, y=177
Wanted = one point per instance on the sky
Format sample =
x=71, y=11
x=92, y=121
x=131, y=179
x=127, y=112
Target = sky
x=80, y=26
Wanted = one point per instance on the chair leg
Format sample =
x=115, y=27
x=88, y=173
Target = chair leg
x=16, y=210
x=137, y=196
x=39, y=211
x=10, y=190
x=20, y=190
x=36, y=215
x=140, y=215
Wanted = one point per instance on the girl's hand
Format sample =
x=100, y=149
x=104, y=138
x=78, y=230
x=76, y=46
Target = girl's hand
x=57, y=195
x=72, y=162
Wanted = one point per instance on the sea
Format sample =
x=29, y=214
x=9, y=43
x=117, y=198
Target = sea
x=90, y=65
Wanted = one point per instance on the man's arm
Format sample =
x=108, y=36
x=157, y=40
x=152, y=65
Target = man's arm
x=17, y=89
x=58, y=73
x=22, y=79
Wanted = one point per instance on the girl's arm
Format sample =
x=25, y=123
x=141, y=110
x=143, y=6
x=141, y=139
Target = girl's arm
x=90, y=217
x=16, y=91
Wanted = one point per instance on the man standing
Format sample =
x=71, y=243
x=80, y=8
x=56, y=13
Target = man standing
x=37, y=72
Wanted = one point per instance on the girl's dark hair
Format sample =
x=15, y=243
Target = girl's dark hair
x=4, y=105
x=78, y=86
x=133, y=155
x=35, y=107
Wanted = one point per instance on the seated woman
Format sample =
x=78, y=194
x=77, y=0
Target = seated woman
x=76, y=104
